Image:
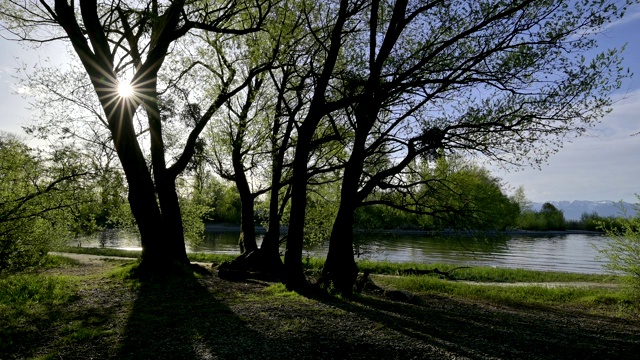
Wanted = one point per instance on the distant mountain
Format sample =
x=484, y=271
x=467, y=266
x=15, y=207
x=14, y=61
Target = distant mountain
x=574, y=209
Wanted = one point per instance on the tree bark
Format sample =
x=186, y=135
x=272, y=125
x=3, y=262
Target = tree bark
x=293, y=276
x=247, y=240
x=340, y=268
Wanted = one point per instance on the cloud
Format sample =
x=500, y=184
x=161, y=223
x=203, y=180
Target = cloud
x=599, y=166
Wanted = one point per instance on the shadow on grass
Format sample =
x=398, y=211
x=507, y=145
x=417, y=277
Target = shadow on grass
x=476, y=331
x=178, y=318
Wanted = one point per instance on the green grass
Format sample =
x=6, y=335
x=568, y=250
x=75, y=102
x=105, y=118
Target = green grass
x=606, y=301
x=486, y=274
x=55, y=261
x=32, y=289
x=211, y=258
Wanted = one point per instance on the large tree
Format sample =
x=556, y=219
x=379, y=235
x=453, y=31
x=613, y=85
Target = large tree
x=137, y=38
x=503, y=80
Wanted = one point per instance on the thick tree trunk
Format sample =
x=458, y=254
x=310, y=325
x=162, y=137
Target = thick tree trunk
x=173, y=238
x=293, y=276
x=340, y=269
x=270, y=247
x=247, y=240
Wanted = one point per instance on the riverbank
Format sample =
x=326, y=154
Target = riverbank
x=99, y=313
x=226, y=227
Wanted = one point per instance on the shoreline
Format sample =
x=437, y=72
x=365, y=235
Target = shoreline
x=227, y=227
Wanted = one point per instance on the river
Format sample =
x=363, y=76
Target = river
x=567, y=253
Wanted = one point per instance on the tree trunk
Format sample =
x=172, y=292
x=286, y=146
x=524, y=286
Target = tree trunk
x=270, y=247
x=340, y=269
x=172, y=238
x=293, y=276
x=247, y=240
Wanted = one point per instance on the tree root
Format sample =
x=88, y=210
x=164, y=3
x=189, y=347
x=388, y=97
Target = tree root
x=364, y=283
x=446, y=274
x=253, y=265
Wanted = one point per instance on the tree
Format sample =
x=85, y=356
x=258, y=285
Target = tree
x=519, y=197
x=552, y=217
x=548, y=218
x=326, y=26
x=137, y=38
x=504, y=80
x=36, y=195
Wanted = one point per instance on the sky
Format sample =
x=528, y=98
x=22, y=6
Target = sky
x=602, y=165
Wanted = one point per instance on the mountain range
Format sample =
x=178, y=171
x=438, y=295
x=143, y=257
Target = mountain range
x=574, y=209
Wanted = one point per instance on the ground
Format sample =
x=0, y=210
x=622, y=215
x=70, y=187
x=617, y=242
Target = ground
x=212, y=318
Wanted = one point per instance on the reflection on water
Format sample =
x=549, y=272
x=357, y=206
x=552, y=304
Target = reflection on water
x=570, y=253
x=110, y=238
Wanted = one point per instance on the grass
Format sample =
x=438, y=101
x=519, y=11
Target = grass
x=486, y=274
x=26, y=299
x=616, y=301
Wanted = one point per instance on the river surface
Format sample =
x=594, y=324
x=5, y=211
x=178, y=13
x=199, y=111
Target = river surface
x=568, y=253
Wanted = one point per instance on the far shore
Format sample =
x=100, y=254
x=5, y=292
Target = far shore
x=227, y=227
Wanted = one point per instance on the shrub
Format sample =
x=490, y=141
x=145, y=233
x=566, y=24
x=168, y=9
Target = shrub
x=623, y=248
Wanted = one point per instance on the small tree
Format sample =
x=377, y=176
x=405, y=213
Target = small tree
x=35, y=196
x=623, y=248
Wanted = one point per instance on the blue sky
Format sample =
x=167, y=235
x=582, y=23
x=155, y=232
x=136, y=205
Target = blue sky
x=602, y=165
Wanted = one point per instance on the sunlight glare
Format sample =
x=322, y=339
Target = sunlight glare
x=125, y=89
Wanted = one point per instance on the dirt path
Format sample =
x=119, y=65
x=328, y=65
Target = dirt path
x=88, y=259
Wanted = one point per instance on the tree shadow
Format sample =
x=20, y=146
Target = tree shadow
x=179, y=318
x=479, y=331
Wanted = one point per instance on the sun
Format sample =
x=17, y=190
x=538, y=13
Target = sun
x=125, y=89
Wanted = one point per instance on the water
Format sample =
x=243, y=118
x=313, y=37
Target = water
x=567, y=253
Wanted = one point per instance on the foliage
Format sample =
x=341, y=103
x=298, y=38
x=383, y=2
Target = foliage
x=594, y=222
x=549, y=218
x=219, y=200
x=623, y=249
x=385, y=217
x=453, y=194
x=36, y=194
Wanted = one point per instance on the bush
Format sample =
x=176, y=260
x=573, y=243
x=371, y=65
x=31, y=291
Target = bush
x=33, y=198
x=623, y=249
